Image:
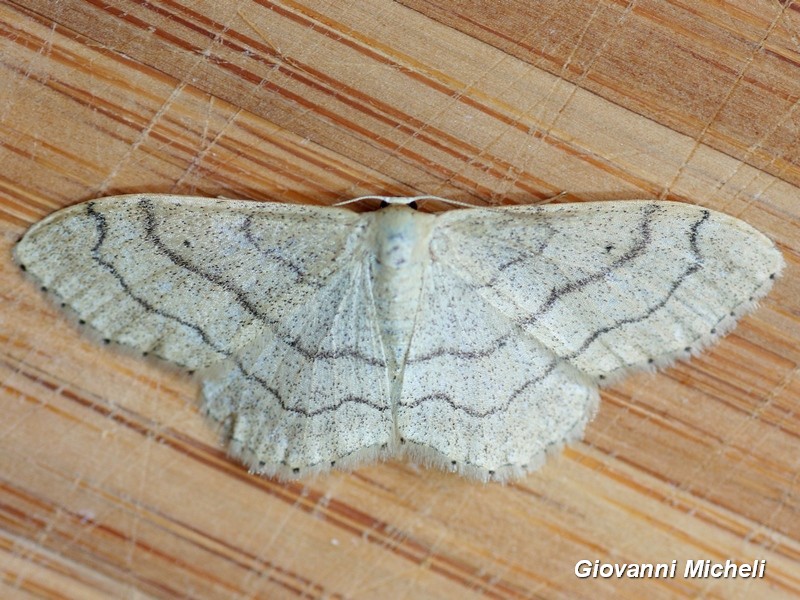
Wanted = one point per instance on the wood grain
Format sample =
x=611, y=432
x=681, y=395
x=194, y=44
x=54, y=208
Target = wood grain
x=111, y=483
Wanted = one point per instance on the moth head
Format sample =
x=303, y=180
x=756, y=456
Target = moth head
x=411, y=204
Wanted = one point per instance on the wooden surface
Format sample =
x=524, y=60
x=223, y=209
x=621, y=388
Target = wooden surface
x=111, y=483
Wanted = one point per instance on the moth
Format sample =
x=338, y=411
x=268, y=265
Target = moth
x=474, y=340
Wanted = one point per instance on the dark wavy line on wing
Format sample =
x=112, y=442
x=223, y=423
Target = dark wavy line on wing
x=523, y=256
x=332, y=354
x=490, y=349
x=351, y=399
x=299, y=273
